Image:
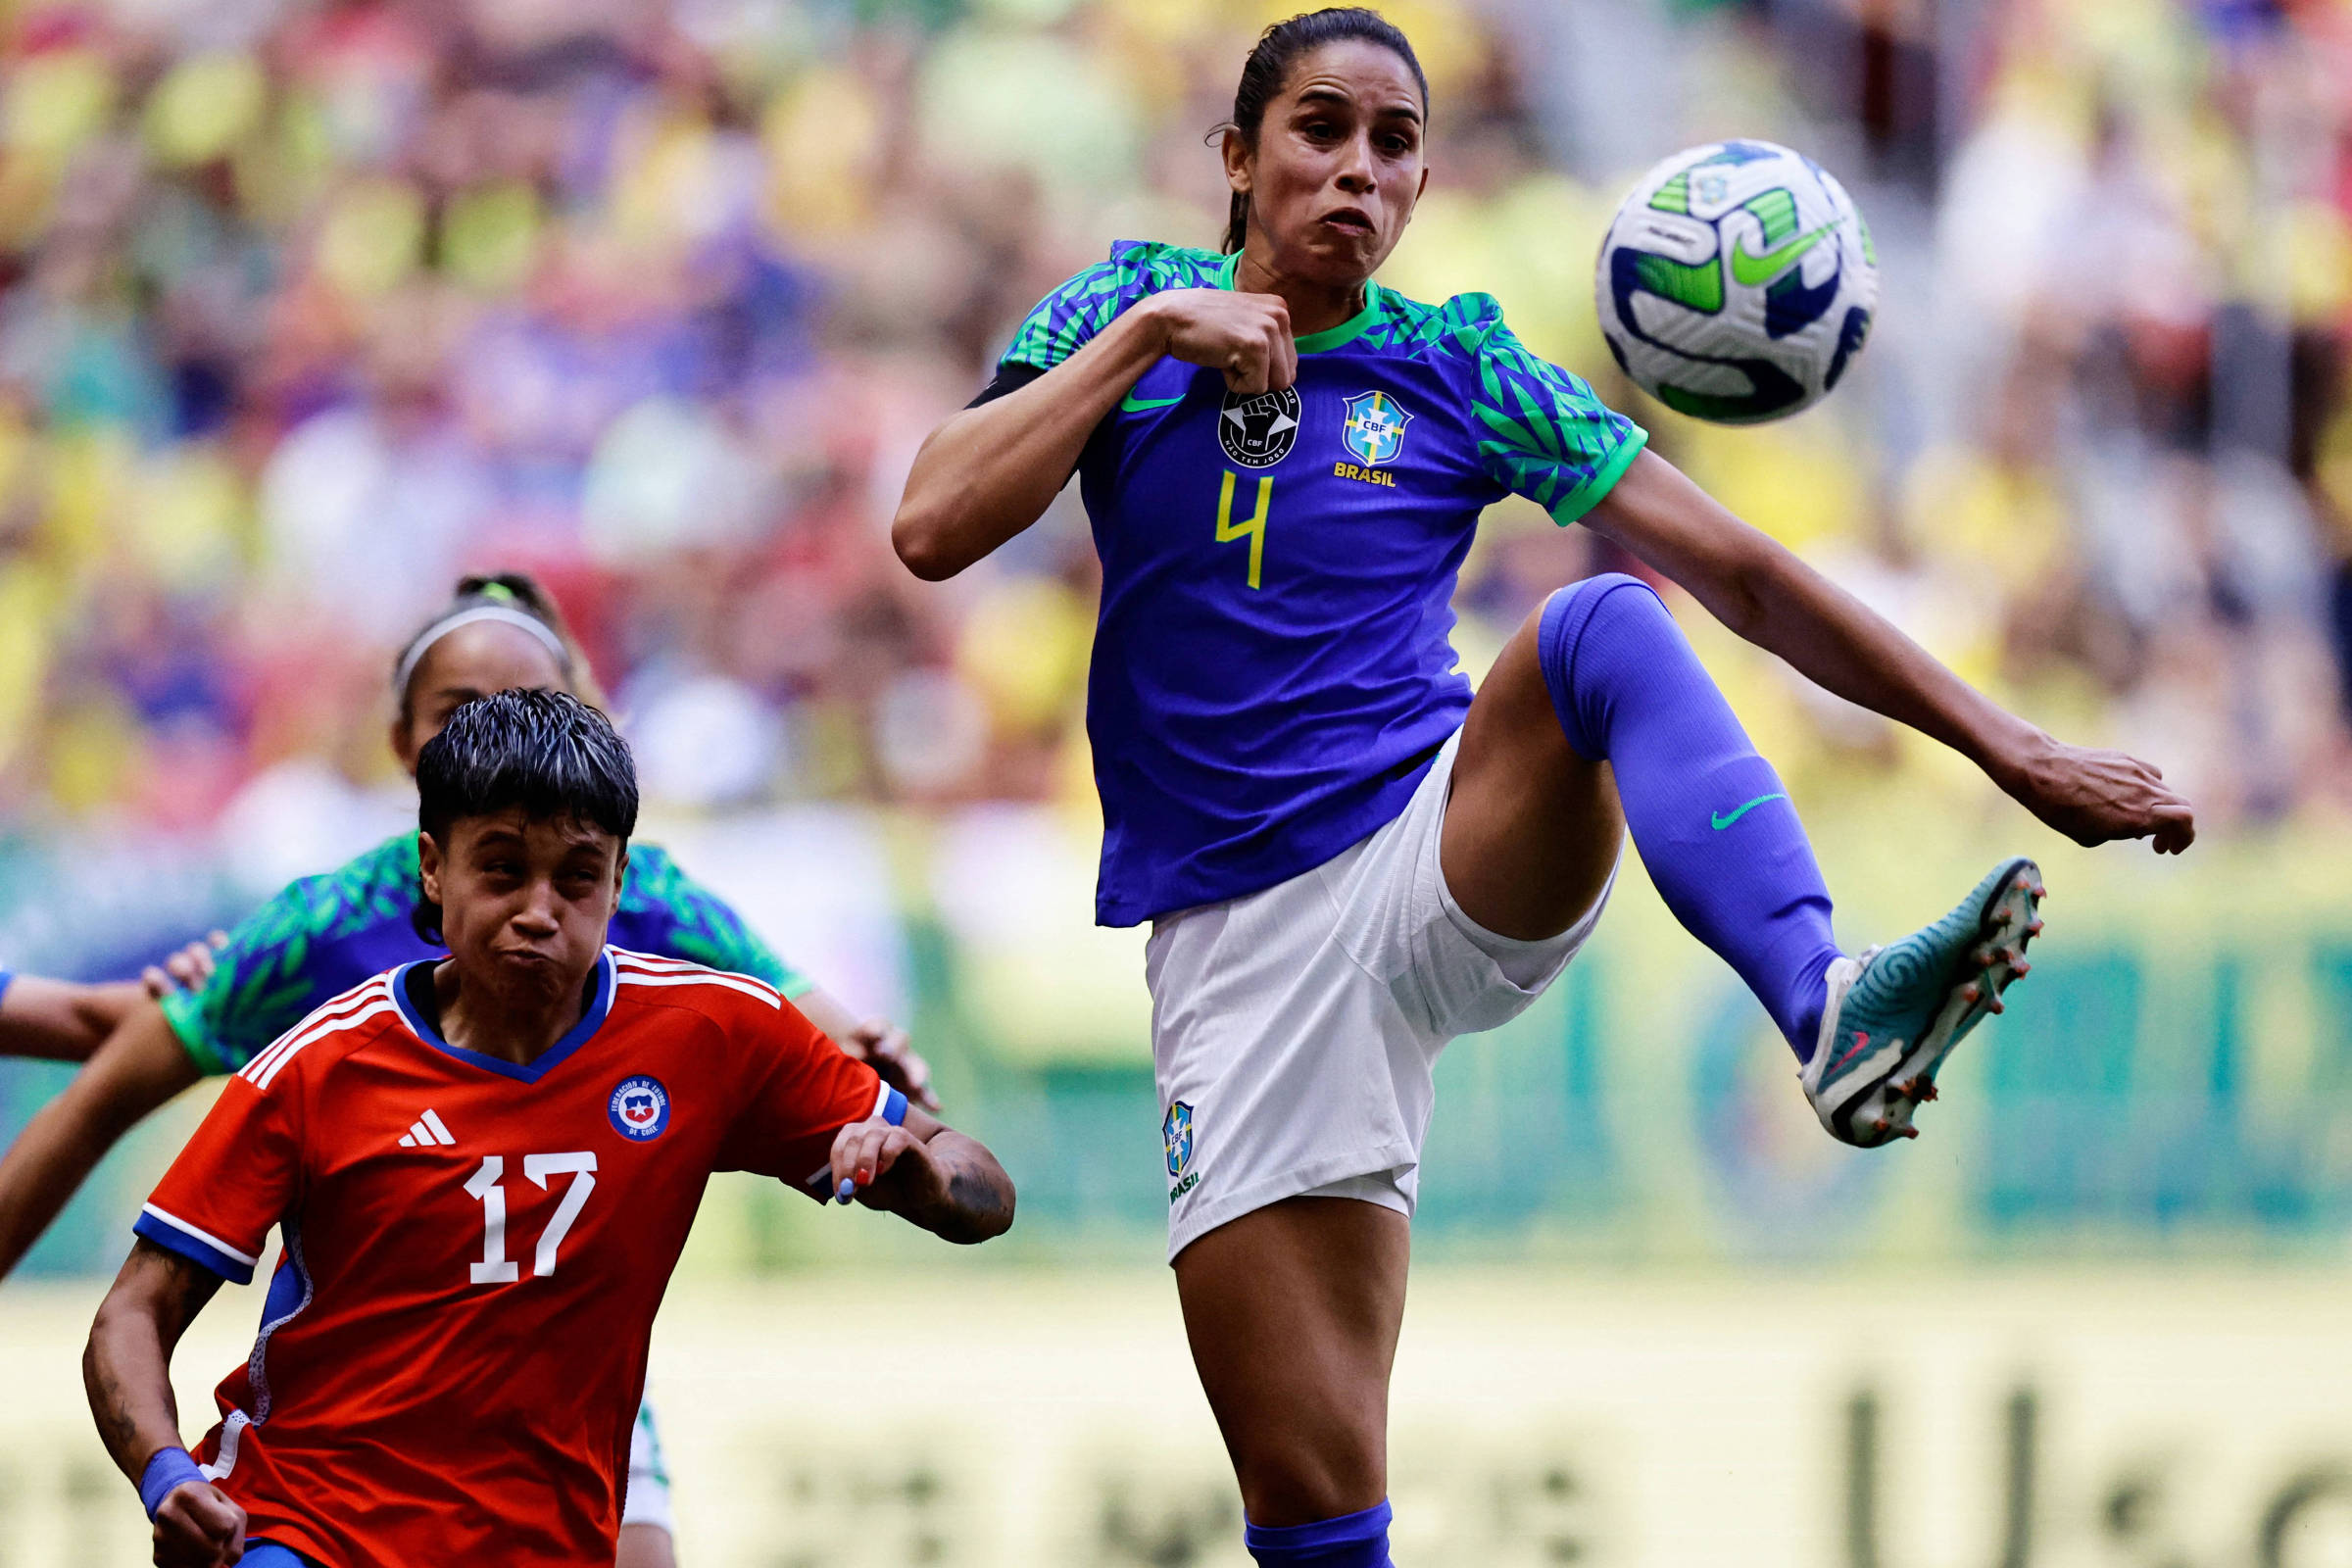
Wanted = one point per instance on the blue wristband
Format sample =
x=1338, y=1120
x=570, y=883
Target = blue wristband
x=170, y=1469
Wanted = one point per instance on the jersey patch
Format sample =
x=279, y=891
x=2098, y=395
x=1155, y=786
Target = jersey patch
x=1374, y=430
x=1258, y=431
x=639, y=1109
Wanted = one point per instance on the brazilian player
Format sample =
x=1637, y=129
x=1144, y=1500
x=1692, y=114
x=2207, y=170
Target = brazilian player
x=324, y=934
x=1348, y=860
x=484, y=1168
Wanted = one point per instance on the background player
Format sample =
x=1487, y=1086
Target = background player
x=484, y=1169
x=324, y=934
x=1347, y=861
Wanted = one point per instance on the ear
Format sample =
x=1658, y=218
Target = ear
x=1236, y=153
x=620, y=874
x=428, y=867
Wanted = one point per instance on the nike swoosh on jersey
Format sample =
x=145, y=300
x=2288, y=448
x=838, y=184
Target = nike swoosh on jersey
x=1722, y=821
x=1131, y=404
x=1748, y=270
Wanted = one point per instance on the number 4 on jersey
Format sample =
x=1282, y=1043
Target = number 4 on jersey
x=1254, y=530
x=484, y=1187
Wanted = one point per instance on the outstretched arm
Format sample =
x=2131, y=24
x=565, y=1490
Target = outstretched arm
x=141, y=1065
x=128, y=1372
x=1762, y=591
x=65, y=1021
x=991, y=471
x=925, y=1172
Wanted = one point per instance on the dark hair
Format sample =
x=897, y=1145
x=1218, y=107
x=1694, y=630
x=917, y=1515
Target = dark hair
x=512, y=590
x=546, y=752
x=1269, y=67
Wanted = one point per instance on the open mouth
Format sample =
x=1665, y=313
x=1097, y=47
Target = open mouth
x=1349, y=220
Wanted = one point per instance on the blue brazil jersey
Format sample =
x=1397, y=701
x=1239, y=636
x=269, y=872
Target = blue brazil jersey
x=1272, y=672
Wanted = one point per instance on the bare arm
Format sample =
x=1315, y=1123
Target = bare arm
x=1763, y=592
x=126, y=1369
x=878, y=1042
x=65, y=1021
x=141, y=1065
x=926, y=1174
x=991, y=471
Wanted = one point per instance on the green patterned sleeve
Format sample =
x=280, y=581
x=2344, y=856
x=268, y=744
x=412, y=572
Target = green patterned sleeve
x=1545, y=433
x=694, y=923
x=257, y=991
x=1066, y=320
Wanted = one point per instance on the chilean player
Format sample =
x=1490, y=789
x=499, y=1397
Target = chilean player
x=1345, y=858
x=484, y=1169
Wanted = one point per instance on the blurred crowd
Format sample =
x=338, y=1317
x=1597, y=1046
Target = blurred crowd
x=304, y=308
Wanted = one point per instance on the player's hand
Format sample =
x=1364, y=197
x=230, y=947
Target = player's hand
x=2093, y=797
x=1247, y=336
x=885, y=1047
x=185, y=970
x=865, y=1152
x=198, y=1527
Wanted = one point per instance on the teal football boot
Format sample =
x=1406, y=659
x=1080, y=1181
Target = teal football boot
x=1896, y=1012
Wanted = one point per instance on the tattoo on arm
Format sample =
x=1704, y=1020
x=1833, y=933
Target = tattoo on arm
x=127, y=1367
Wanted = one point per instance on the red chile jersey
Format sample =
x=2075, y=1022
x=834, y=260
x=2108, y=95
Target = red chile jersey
x=455, y=1338
x=1272, y=672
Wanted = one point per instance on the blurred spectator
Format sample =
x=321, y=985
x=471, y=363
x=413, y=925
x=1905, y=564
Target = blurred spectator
x=304, y=309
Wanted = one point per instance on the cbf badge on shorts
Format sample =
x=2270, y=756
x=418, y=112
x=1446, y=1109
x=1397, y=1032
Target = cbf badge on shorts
x=1177, y=1133
x=639, y=1109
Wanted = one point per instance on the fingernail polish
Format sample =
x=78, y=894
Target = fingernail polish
x=849, y=1190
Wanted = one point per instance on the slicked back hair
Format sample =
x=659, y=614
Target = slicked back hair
x=547, y=753
x=1268, y=69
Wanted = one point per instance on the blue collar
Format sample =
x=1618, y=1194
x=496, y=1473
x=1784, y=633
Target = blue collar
x=539, y=1066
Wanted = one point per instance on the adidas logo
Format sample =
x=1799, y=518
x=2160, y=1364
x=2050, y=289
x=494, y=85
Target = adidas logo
x=428, y=1132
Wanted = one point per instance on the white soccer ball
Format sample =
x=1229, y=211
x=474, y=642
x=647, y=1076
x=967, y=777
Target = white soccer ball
x=1737, y=282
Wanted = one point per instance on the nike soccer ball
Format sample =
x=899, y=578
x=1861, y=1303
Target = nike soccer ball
x=1737, y=282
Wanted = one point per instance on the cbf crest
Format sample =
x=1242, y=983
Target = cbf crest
x=1177, y=1131
x=1374, y=432
x=639, y=1109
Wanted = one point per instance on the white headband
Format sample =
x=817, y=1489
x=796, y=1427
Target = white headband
x=468, y=618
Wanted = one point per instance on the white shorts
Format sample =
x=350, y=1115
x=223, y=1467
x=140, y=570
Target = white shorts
x=1294, y=1031
x=646, y=1501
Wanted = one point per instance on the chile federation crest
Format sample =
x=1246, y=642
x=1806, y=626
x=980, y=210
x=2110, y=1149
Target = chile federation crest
x=639, y=1109
x=1374, y=432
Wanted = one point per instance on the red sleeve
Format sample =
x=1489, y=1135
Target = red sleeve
x=237, y=1177
x=798, y=1091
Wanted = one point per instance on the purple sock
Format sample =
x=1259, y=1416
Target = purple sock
x=1715, y=828
x=1351, y=1540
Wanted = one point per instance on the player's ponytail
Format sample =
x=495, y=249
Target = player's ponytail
x=1269, y=64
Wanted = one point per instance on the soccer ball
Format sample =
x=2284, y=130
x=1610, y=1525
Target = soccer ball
x=1737, y=282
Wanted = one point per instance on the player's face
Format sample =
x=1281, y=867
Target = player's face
x=524, y=901
x=471, y=662
x=1338, y=165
